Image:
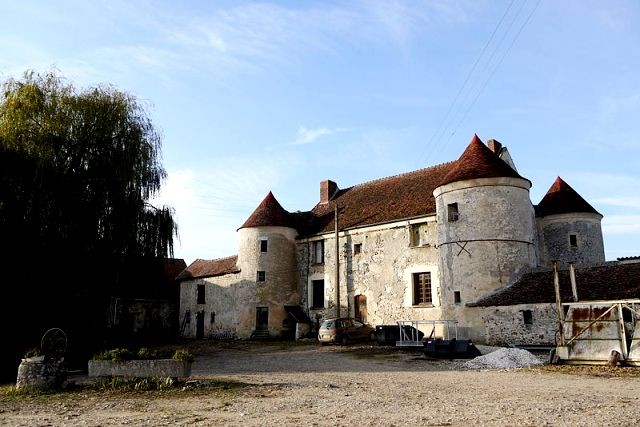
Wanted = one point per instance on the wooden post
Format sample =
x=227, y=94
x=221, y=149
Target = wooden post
x=556, y=286
x=337, y=255
x=574, y=286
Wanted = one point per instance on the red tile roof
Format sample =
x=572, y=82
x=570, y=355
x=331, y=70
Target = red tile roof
x=269, y=213
x=560, y=199
x=610, y=281
x=384, y=200
x=210, y=268
x=478, y=161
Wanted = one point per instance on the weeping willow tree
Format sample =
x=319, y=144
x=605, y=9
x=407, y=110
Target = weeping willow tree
x=77, y=171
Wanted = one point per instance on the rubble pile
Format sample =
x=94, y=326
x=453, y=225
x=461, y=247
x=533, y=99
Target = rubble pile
x=504, y=358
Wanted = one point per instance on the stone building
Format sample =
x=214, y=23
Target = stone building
x=424, y=245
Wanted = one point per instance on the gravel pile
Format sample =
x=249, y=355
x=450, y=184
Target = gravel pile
x=504, y=358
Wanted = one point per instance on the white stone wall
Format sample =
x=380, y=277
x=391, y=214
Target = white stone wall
x=492, y=240
x=381, y=272
x=233, y=298
x=505, y=325
x=554, y=231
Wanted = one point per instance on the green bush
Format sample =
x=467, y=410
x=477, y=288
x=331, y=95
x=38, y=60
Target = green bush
x=116, y=355
x=33, y=352
x=182, y=355
x=145, y=354
x=133, y=384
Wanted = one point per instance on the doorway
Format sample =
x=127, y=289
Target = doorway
x=200, y=324
x=360, y=308
x=262, y=318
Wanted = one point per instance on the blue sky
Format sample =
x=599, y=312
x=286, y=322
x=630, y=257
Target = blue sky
x=259, y=96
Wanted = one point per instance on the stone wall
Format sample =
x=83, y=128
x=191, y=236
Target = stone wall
x=492, y=239
x=380, y=271
x=139, y=368
x=554, y=231
x=509, y=324
x=41, y=374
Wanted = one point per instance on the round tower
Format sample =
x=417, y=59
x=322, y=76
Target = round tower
x=569, y=228
x=486, y=231
x=267, y=260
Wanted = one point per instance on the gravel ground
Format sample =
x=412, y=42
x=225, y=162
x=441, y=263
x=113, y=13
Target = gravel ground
x=267, y=384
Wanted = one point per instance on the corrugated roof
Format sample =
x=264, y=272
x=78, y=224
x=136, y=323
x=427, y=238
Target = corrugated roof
x=269, y=213
x=478, y=161
x=560, y=199
x=610, y=281
x=210, y=268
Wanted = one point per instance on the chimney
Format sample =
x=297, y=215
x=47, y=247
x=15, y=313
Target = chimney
x=494, y=146
x=328, y=189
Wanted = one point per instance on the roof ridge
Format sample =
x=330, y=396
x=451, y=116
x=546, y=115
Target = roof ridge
x=399, y=174
x=217, y=259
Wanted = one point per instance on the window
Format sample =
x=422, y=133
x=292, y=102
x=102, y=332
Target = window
x=200, y=294
x=213, y=317
x=263, y=245
x=317, y=294
x=527, y=317
x=422, y=289
x=452, y=212
x=419, y=235
x=261, y=277
x=318, y=252
x=357, y=248
x=456, y=297
x=573, y=241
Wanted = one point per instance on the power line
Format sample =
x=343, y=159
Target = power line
x=494, y=70
x=464, y=84
x=438, y=138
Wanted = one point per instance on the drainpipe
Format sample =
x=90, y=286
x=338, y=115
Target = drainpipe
x=337, y=275
x=574, y=286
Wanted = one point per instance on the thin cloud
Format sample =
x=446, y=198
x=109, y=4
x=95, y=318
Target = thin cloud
x=620, y=201
x=309, y=136
x=621, y=224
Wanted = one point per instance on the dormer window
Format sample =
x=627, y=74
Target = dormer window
x=452, y=212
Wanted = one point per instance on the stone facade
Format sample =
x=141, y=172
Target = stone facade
x=419, y=246
x=376, y=268
x=556, y=241
x=535, y=324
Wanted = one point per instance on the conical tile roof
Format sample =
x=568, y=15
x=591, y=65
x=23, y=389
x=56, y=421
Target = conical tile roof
x=269, y=213
x=560, y=199
x=478, y=161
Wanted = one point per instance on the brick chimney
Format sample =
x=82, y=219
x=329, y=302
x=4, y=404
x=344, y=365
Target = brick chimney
x=328, y=189
x=494, y=146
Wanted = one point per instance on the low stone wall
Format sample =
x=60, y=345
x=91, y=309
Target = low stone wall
x=139, y=368
x=41, y=374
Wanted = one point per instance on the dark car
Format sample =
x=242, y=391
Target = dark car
x=345, y=329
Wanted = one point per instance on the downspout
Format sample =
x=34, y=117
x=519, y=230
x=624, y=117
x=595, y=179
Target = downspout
x=337, y=255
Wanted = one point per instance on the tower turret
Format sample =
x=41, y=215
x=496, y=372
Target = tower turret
x=569, y=228
x=267, y=257
x=486, y=230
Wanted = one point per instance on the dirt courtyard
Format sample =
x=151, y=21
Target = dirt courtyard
x=286, y=384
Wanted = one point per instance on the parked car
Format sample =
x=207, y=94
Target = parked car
x=345, y=329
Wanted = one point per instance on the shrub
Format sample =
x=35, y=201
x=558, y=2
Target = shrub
x=116, y=355
x=183, y=355
x=33, y=352
x=144, y=354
